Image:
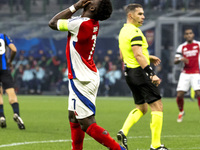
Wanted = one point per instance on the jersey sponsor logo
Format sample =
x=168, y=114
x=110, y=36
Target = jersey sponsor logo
x=190, y=53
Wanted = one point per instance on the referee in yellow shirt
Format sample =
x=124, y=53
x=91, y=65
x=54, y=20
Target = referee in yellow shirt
x=140, y=77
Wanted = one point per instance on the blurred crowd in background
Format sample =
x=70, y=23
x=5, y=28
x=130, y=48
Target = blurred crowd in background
x=49, y=74
x=117, y=4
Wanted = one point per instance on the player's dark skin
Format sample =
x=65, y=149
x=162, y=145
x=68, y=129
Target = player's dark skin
x=90, y=9
x=189, y=37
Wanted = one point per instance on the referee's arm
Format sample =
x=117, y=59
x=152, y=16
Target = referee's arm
x=137, y=51
x=120, y=54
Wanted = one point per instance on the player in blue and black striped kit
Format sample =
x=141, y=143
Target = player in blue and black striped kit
x=7, y=82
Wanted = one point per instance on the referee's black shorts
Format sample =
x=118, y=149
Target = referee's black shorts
x=6, y=79
x=144, y=91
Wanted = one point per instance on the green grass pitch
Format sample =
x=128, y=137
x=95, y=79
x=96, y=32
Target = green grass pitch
x=47, y=127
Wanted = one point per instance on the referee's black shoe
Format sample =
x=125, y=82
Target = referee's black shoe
x=122, y=140
x=19, y=121
x=162, y=147
x=3, y=122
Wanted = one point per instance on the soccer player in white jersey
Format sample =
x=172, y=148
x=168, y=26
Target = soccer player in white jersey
x=189, y=54
x=83, y=75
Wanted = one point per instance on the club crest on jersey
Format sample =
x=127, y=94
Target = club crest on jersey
x=185, y=49
x=195, y=47
x=95, y=29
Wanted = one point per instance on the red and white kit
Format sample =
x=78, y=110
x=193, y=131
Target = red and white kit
x=190, y=76
x=83, y=74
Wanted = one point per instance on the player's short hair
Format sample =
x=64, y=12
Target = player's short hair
x=188, y=28
x=104, y=10
x=132, y=7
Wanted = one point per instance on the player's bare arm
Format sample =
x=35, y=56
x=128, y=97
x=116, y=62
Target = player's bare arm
x=181, y=59
x=155, y=60
x=137, y=51
x=13, y=53
x=120, y=54
x=67, y=13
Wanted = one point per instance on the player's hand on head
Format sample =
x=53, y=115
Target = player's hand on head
x=82, y=3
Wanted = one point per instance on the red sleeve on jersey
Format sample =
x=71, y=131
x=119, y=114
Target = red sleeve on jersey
x=85, y=42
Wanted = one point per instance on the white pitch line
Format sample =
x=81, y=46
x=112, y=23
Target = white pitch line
x=33, y=142
x=68, y=140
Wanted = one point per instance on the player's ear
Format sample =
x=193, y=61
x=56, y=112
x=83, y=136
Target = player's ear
x=129, y=15
x=92, y=8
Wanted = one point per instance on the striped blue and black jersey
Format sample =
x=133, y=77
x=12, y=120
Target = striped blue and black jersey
x=4, y=41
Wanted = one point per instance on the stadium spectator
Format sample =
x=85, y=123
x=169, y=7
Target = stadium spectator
x=83, y=75
x=107, y=63
x=102, y=72
x=112, y=78
x=43, y=62
x=7, y=81
x=32, y=61
x=28, y=79
x=39, y=75
x=64, y=81
x=18, y=77
x=188, y=53
x=22, y=60
x=140, y=77
x=46, y=64
x=55, y=69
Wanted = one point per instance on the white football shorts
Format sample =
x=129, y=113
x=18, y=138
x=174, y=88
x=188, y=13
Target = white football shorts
x=188, y=80
x=82, y=97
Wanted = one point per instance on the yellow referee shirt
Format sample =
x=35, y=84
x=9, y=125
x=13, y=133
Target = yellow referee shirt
x=129, y=36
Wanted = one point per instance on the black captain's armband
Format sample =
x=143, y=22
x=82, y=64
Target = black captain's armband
x=149, y=70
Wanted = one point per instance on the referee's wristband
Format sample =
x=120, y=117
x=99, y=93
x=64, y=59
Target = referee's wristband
x=149, y=70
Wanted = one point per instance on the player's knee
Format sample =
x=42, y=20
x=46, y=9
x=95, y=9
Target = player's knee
x=180, y=94
x=144, y=110
x=197, y=93
x=157, y=106
x=84, y=127
x=85, y=123
x=72, y=117
x=13, y=100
